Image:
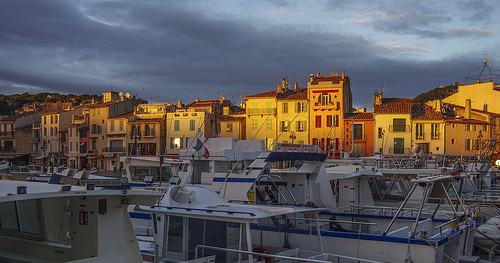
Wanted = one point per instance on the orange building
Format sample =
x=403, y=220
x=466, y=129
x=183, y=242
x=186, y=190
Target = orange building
x=359, y=129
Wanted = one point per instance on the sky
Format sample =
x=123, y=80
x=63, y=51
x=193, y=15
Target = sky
x=166, y=51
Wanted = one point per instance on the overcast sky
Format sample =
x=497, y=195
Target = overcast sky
x=164, y=51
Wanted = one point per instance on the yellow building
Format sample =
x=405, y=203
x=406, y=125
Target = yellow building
x=482, y=96
x=392, y=125
x=279, y=115
x=465, y=137
x=428, y=132
x=329, y=99
x=114, y=105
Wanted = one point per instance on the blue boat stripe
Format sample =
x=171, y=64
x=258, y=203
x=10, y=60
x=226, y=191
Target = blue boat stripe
x=233, y=180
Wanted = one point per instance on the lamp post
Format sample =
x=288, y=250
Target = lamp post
x=292, y=136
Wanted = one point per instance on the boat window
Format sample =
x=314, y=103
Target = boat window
x=175, y=231
x=8, y=218
x=138, y=173
x=28, y=217
x=57, y=210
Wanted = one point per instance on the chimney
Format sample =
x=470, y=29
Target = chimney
x=467, y=109
x=278, y=89
x=179, y=104
x=296, y=85
x=311, y=77
x=438, y=105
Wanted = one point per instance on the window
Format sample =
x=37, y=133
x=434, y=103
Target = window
x=56, y=118
x=176, y=143
x=467, y=144
x=284, y=126
x=192, y=125
x=318, y=121
x=332, y=121
x=419, y=131
x=301, y=126
x=285, y=107
x=121, y=125
x=112, y=125
x=399, y=125
x=300, y=107
x=380, y=133
x=51, y=119
x=453, y=141
x=70, y=132
x=51, y=131
x=44, y=119
x=435, y=131
x=225, y=111
x=485, y=127
x=358, y=131
x=147, y=130
x=325, y=99
x=269, y=124
x=255, y=124
x=71, y=146
x=177, y=125
x=467, y=127
x=94, y=145
x=229, y=127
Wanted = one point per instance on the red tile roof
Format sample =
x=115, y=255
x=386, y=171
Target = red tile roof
x=359, y=115
x=430, y=116
x=396, y=105
x=332, y=79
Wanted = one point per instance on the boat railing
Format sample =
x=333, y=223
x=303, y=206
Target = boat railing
x=384, y=210
x=283, y=258
x=324, y=222
x=155, y=251
x=189, y=209
x=453, y=223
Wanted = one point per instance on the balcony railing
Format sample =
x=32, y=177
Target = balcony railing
x=7, y=133
x=420, y=136
x=149, y=134
x=399, y=151
x=399, y=128
x=114, y=149
x=261, y=111
x=435, y=136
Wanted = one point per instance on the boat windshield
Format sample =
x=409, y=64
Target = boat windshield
x=139, y=173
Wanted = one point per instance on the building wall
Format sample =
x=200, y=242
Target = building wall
x=365, y=144
x=384, y=142
x=328, y=102
x=433, y=141
x=464, y=137
x=296, y=118
x=480, y=94
x=182, y=125
x=261, y=120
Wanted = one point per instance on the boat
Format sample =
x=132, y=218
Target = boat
x=193, y=222
x=41, y=222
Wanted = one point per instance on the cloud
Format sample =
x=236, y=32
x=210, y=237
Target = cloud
x=175, y=51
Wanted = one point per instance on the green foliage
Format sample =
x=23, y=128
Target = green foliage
x=9, y=103
x=435, y=94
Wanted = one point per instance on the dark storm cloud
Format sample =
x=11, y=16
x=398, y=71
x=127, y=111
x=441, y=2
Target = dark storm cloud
x=172, y=50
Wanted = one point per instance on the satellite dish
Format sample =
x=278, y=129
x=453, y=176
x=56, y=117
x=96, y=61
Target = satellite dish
x=120, y=94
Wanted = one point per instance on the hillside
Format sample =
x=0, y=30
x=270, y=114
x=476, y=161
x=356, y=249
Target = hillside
x=435, y=94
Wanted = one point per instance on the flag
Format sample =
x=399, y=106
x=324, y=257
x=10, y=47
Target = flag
x=206, y=154
x=198, y=145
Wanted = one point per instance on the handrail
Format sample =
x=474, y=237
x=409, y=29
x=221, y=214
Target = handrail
x=296, y=259
x=204, y=210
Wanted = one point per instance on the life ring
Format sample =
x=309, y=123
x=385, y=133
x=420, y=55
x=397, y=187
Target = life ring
x=262, y=250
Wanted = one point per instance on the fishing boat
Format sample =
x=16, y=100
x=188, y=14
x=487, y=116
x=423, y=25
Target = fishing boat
x=42, y=222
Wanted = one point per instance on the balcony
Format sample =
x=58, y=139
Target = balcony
x=399, y=128
x=114, y=149
x=420, y=136
x=261, y=111
x=7, y=134
x=435, y=136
